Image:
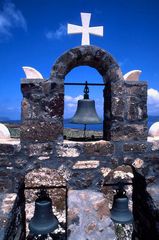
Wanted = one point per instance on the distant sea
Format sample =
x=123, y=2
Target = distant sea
x=95, y=127
x=99, y=127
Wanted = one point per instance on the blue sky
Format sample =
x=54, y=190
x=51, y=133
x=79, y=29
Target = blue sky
x=33, y=33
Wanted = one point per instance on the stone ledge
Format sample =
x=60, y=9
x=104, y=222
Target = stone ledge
x=86, y=164
x=11, y=141
x=41, y=131
x=92, y=148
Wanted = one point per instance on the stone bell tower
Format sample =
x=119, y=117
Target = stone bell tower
x=82, y=167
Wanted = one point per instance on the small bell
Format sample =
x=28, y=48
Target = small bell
x=43, y=221
x=120, y=212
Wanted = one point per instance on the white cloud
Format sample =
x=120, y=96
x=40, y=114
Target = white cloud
x=69, y=99
x=153, y=102
x=71, y=105
x=10, y=17
x=58, y=34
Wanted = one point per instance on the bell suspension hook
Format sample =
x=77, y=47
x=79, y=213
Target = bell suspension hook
x=86, y=91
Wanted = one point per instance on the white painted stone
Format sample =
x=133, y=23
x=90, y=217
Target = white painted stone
x=85, y=29
x=4, y=132
x=154, y=130
x=132, y=75
x=32, y=73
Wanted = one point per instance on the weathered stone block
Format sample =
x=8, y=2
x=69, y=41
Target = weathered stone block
x=53, y=86
x=120, y=131
x=101, y=148
x=86, y=164
x=40, y=149
x=68, y=150
x=135, y=132
x=85, y=178
x=7, y=149
x=31, y=86
x=136, y=108
x=26, y=109
x=20, y=162
x=136, y=88
x=135, y=147
x=117, y=89
x=47, y=108
x=114, y=74
x=6, y=184
x=117, y=108
x=56, y=105
x=41, y=131
x=44, y=176
x=5, y=161
x=68, y=58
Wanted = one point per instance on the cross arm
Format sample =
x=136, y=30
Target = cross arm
x=73, y=29
x=98, y=31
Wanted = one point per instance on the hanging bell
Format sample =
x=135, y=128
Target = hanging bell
x=43, y=221
x=120, y=212
x=86, y=112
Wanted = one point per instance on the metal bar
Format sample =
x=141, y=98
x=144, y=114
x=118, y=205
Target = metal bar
x=83, y=84
x=117, y=184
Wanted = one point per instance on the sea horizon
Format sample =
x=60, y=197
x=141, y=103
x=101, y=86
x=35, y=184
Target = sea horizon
x=67, y=124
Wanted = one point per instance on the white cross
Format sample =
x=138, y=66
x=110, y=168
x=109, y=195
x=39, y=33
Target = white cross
x=85, y=29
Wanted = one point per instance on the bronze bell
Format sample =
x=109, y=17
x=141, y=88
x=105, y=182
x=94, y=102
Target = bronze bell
x=43, y=221
x=120, y=212
x=86, y=112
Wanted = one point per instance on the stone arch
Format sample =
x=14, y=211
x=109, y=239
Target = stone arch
x=91, y=56
x=108, y=68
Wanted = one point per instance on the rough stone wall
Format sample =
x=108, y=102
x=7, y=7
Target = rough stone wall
x=10, y=165
x=85, y=165
x=12, y=216
x=145, y=190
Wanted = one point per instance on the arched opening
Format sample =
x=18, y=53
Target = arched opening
x=55, y=186
x=104, y=63
x=122, y=173
x=73, y=93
